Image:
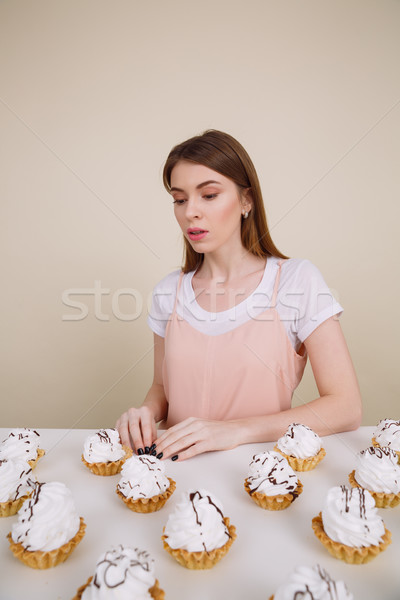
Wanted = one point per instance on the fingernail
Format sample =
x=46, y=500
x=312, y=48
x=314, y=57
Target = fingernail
x=152, y=447
x=160, y=455
x=153, y=453
x=140, y=451
x=146, y=450
x=175, y=457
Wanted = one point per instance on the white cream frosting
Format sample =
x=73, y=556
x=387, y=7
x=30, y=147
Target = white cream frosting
x=378, y=470
x=387, y=433
x=143, y=477
x=122, y=573
x=312, y=583
x=20, y=444
x=351, y=517
x=197, y=523
x=300, y=441
x=15, y=479
x=103, y=446
x=48, y=519
x=270, y=474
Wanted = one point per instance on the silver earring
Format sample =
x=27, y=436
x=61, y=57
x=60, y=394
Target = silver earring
x=245, y=214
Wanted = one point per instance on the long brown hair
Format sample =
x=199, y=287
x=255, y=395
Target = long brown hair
x=222, y=153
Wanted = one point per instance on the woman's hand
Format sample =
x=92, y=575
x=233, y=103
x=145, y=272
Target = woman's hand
x=194, y=436
x=137, y=428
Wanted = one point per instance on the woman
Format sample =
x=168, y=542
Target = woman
x=234, y=327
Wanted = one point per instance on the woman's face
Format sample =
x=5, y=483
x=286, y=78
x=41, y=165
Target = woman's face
x=208, y=201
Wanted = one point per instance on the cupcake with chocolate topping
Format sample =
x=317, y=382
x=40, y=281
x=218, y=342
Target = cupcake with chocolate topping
x=387, y=434
x=197, y=534
x=103, y=452
x=16, y=485
x=22, y=444
x=271, y=482
x=143, y=486
x=314, y=583
x=378, y=472
x=350, y=527
x=48, y=527
x=122, y=572
x=301, y=446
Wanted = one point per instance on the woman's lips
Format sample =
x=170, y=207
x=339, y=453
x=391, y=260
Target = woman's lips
x=197, y=236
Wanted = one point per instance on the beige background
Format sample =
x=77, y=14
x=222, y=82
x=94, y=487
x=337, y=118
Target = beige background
x=93, y=94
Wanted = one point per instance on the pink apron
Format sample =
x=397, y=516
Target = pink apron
x=247, y=372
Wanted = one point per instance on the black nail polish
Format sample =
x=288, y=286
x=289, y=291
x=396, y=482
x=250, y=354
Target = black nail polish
x=146, y=450
x=160, y=455
x=175, y=457
x=140, y=451
x=153, y=453
x=152, y=447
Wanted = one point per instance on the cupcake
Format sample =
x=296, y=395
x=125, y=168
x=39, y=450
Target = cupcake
x=122, y=572
x=350, y=526
x=271, y=481
x=314, y=583
x=144, y=486
x=301, y=446
x=378, y=472
x=22, y=444
x=197, y=534
x=103, y=452
x=16, y=485
x=387, y=434
x=48, y=527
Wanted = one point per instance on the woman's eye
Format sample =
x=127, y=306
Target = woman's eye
x=178, y=201
x=210, y=196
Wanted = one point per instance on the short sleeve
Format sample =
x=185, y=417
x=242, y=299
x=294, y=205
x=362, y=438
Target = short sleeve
x=162, y=303
x=306, y=300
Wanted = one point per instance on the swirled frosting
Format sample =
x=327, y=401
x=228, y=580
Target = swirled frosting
x=299, y=441
x=312, y=583
x=103, y=446
x=48, y=519
x=197, y=523
x=122, y=573
x=21, y=444
x=270, y=474
x=15, y=479
x=143, y=477
x=351, y=517
x=387, y=433
x=378, y=470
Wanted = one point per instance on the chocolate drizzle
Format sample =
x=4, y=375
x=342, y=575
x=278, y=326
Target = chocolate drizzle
x=116, y=559
x=193, y=496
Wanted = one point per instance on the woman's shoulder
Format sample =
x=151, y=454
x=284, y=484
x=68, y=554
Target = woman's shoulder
x=299, y=268
x=169, y=282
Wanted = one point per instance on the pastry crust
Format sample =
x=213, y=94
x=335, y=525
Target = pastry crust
x=156, y=592
x=148, y=505
x=382, y=500
x=32, y=463
x=279, y=502
x=38, y=559
x=7, y=509
x=302, y=464
x=203, y=559
x=350, y=554
x=108, y=468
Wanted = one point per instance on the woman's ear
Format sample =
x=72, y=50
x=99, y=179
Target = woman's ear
x=247, y=199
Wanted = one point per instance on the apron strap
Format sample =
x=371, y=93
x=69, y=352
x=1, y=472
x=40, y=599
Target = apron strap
x=275, y=292
x=177, y=292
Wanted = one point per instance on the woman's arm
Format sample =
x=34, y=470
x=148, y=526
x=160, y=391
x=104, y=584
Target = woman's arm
x=338, y=408
x=139, y=424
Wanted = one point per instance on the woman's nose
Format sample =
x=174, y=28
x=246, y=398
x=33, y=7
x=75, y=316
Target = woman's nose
x=192, y=208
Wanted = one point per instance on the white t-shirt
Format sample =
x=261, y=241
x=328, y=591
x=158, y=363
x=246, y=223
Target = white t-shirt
x=304, y=301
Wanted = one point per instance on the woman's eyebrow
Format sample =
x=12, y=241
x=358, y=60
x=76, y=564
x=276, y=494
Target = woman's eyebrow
x=175, y=189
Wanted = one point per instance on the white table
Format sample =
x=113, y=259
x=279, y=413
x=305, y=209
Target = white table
x=268, y=545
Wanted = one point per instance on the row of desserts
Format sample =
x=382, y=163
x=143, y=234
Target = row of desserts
x=289, y=435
